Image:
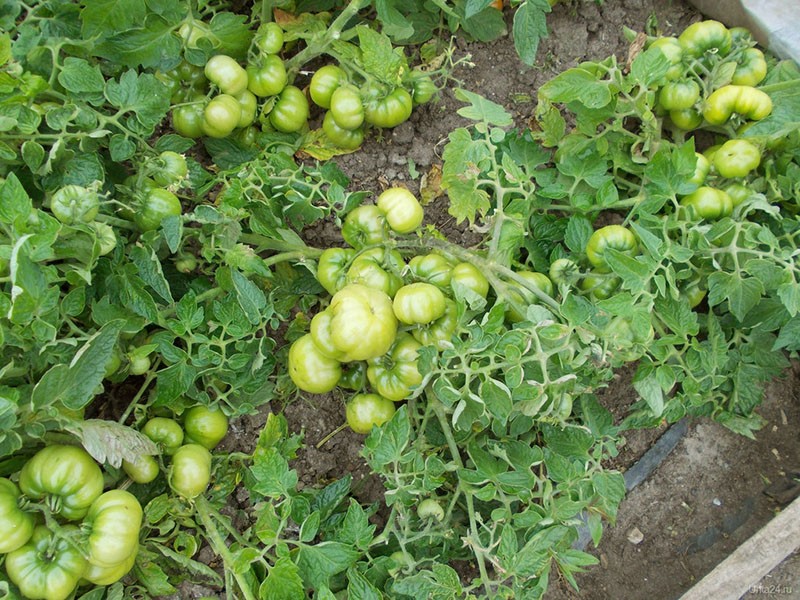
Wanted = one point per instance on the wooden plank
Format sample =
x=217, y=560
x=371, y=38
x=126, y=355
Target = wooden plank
x=751, y=561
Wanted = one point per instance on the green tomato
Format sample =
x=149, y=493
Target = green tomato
x=354, y=376
x=679, y=95
x=324, y=82
x=346, y=107
x=290, y=113
x=310, y=369
x=701, y=169
x=706, y=37
x=143, y=469
x=518, y=295
x=468, y=275
x=190, y=471
x=227, y=74
x=47, y=567
x=165, y=432
x=395, y=375
x=170, y=168
x=419, y=303
x=430, y=509
x=269, y=38
x=438, y=332
x=249, y=107
x=332, y=268
x=671, y=48
x=346, y=139
x=363, y=325
x=599, y=285
x=75, y=204
x=431, y=268
x=108, y=575
x=748, y=102
x=422, y=88
x=708, y=203
x=751, y=68
x=205, y=426
x=402, y=210
x=738, y=193
x=363, y=226
x=187, y=120
x=222, y=115
x=321, y=334
x=686, y=119
x=615, y=237
x=269, y=78
x=112, y=525
x=379, y=269
x=154, y=206
x=389, y=111
x=365, y=411
x=16, y=526
x=736, y=158
x=105, y=238
x=65, y=477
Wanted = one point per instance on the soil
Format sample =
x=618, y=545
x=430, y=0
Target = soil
x=709, y=495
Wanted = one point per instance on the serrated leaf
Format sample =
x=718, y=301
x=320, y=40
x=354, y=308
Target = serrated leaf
x=482, y=110
x=649, y=67
x=105, y=17
x=741, y=294
x=359, y=588
x=645, y=382
x=577, y=84
x=152, y=45
x=80, y=78
x=379, y=57
x=394, y=23
x=283, y=582
x=111, y=442
x=144, y=96
x=386, y=444
x=251, y=299
x=318, y=563
x=530, y=27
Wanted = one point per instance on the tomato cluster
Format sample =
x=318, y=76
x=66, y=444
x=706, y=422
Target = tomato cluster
x=187, y=447
x=711, y=83
x=352, y=102
x=97, y=537
x=224, y=98
x=382, y=311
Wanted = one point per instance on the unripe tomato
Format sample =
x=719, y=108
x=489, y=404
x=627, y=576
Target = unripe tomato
x=736, y=158
x=222, y=115
x=156, y=204
x=165, y=432
x=290, y=113
x=324, y=82
x=310, y=369
x=401, y=208
x=346, y=107
x=269, y=78
x=418, y=303
x=616, y=237
x=364, y=411
x=205, y=426
x=468, y=275
x=708, y=203
x=227, y=74
x=190, y=472
x=75, y=204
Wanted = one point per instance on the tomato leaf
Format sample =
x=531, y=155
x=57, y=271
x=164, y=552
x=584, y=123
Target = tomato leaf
x=482, y=110
x=318, y=563
x=283, y=582
x=530, y=27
